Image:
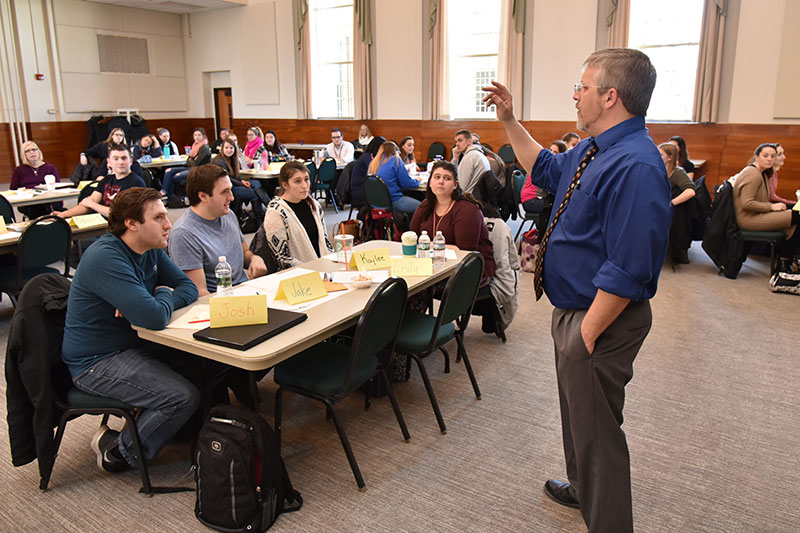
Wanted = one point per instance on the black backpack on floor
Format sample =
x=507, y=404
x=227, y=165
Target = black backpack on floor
x=242, y=484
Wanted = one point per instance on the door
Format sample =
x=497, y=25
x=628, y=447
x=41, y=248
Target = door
x=223, y=108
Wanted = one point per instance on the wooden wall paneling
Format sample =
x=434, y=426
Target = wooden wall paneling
x=6, y=153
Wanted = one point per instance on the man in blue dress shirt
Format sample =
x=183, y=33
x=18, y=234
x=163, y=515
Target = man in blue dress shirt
x=602, y=258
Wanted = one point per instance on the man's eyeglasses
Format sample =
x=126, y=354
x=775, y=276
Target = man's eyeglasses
x=579, y=87
x=336, y=136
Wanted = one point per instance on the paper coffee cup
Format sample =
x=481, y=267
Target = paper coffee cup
x=50, y=181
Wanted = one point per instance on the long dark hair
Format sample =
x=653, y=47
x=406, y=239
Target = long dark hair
x=759, y=149
x=429, y=203
x=232, y=161
x=683, y=153
x=275, y=148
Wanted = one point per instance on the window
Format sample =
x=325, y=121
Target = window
x=670, y=37
x=473, y=29
x=331, y=29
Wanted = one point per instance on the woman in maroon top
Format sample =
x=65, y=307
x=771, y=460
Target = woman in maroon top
x=30, y=174
x=457, y=215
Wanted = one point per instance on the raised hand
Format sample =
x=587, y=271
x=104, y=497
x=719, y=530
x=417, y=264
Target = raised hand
x=501, y=98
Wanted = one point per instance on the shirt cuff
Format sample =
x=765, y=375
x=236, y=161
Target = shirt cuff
x=618, y=282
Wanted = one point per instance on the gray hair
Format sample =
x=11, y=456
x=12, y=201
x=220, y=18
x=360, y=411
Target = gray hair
x=627, y=70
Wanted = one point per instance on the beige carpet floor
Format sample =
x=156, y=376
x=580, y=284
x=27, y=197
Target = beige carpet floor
x=712, y=419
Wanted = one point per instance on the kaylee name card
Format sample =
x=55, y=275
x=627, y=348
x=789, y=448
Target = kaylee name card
x=227, y=311
x=375, y=259
x=303, y=288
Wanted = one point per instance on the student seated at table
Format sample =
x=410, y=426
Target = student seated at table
x=364, y=138
x=147, y=146
x=407, y=150
x=200, y=154
x=273, y=147
x=168, y=147
x=100, y=151
x=683, y=155
x=359, y=173
x=30, y=174
x=456, y=214
x=244, y=190
x=254, y=149
x=340, y=150
x=294, y=223
x=209, y=229
x=780, y=159
x=239, y=154
x=754, y=211
x=119, y=160
x=217, y=144
x=127, y=279
x=388, y=167
x=682, y=190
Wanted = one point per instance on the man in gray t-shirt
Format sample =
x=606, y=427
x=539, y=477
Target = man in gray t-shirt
x=208, y=230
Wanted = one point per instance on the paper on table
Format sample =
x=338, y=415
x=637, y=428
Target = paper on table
x=198, y=313
x=269, y=285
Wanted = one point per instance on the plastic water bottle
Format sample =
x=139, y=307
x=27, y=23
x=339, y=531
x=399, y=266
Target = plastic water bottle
x=438, y=249
x=424, y=245
x=223, y=272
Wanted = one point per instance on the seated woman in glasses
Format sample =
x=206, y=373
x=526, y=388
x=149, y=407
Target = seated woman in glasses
x=30, y=174
x=254, y=149
x=294, y=225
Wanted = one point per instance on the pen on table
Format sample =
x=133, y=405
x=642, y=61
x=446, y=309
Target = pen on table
x=199, y=321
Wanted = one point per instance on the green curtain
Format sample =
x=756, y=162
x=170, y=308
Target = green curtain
x=433, y=7
x=362, y=8
x=519, y=15
x=301, y=8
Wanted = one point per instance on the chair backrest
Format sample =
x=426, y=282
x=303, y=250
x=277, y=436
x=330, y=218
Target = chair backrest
x=487, y=146
x=312, y=171
x=88, y=189
x=327, y=171
x=506, y=153
x=46, y=240
x=377, y=193
x=260, y=247
x=519, y=182
x=379, y=324
x=459, y=293
x=436, y=148
x=6, y=210
x=147, y=176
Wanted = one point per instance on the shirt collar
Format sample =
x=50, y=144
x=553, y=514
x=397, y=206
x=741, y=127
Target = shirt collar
x=615, y=133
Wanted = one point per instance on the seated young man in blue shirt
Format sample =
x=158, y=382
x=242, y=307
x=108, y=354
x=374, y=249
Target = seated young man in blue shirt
x=208, y=230
x=119, y=159
x=125, y=279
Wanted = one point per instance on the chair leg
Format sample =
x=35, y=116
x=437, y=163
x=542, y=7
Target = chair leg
x=395, y=405
x=431, y=396
x=141, y=463
x=446, y=359
x=346, y=445
x=463, y=354
x=350, y=213
x=278, y=407
x=62, y=425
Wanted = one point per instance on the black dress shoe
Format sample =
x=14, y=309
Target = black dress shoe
x=559, y=491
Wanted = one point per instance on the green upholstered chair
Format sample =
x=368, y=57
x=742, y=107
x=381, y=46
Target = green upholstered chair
x=379, y=202
x=329, y=371
x=435, y=149
x=44, y=241
x=325, y=176
x=506, y=153
x=421, y=334
x=770, y=237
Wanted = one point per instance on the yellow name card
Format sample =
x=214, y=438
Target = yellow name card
x=303, y=288
x=83, y=184
x=412, y=266
x=3, y=228
x=227, y=311
x=375, y=259
x=87, y=221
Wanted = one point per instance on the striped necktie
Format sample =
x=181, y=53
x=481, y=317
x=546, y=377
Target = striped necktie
x=538, y=264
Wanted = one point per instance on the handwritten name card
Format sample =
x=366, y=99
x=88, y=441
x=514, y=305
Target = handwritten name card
x=303, y=288
x=227, y=311
x=412, y=266
x=86, y=221
x=3, y=228
x=375, y=259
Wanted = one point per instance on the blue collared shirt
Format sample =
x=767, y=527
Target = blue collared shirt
x=613, y=234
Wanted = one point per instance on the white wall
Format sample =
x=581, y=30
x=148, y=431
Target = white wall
x=256, y=44
x=397, y=40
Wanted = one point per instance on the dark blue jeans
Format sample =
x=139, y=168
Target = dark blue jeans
x=171, y=177
x=242, y=194
x=141, y=377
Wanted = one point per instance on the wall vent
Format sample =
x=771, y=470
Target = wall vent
x=126, y=55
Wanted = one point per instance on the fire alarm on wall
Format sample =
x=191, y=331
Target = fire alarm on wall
x=39, y=77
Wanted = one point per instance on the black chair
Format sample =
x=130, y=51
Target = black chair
x=435, y=149
x=69, y=402
x=7, y=210
x=88, y=190
x=329, y=371
x=486, y=302
x=421, y=334
x=312, y=172
x=506, y=153
x=379, y=202
x=44, y=241
x=770, y=237
x=325, y=176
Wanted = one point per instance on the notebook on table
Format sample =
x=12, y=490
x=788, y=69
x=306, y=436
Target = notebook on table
x=245, y=337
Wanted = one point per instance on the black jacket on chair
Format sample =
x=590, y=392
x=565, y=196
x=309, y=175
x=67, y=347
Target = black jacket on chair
x=35, y=373
x=723, y=242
